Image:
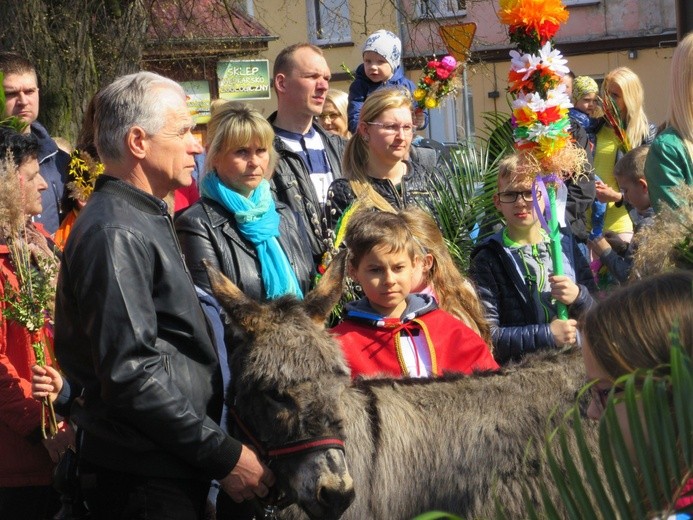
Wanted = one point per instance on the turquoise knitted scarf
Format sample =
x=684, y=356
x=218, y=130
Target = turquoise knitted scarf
x=258, y=222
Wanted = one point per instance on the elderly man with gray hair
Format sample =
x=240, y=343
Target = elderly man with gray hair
x=130, y=330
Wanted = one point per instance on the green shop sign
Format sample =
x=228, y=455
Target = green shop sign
x=243, y=79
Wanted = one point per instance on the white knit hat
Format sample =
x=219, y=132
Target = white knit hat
x=387, y=44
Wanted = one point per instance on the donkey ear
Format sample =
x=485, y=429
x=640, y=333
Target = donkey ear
x=320, y=301
x=239, y=307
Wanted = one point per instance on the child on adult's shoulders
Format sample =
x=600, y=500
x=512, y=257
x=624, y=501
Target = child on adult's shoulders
x=391, y=331
x=585, y=110
x=381, y=67
x=630, y=175
x=514, y=273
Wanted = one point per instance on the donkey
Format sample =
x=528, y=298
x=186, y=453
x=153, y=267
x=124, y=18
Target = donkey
x=456, y=444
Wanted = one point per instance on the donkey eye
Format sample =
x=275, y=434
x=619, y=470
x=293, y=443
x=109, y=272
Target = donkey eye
x=277, y=398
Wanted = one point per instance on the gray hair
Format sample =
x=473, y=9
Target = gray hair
x=132, y=100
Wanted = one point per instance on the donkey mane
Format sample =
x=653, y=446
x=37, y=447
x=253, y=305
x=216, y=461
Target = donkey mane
x=455, y=443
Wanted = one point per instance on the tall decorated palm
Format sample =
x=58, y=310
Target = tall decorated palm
x=540, y=109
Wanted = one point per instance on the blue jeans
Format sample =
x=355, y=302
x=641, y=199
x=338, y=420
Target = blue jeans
x=113, y=495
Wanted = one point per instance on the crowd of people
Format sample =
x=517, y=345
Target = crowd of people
x=135, y=345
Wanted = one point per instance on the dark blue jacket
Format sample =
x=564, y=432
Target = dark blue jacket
x=53, y=164
x=515, y=326
x=362, y=87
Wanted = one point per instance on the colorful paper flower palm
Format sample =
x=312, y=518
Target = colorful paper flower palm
x=440, y=78
x=541, y=126
x=540, y=108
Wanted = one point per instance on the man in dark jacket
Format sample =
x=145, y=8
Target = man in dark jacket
x=130, y=329
x=22, y=100
x=309, y=158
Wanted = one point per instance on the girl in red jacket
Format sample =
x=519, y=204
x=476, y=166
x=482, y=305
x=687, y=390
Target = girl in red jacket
x=392, y=332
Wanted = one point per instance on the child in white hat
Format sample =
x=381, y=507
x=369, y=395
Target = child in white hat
x=382, y=54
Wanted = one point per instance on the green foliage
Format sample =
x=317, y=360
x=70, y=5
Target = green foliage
x=348, y=71
x=611, y=484
x=463, y=190
x=30, y=304
x=437, y=515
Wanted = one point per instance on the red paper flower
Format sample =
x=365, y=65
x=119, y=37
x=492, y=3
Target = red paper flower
x=442, y=73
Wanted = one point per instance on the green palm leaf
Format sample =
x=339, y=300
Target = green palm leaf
x=624, y=488
x=463, y=190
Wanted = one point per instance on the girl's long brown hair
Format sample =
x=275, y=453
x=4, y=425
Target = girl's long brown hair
x=455, y=292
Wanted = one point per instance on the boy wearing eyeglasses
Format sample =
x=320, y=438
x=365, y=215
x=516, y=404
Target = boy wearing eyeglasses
x=514, y=274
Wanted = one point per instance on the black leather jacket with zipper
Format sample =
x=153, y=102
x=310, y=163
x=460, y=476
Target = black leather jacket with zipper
x=130, y=330
x=413, y=189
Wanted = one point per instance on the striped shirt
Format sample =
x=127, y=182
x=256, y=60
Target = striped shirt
x=311, y=149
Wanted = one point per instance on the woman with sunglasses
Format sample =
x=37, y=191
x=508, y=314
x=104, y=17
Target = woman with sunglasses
x=377, y=172
x=630, y=330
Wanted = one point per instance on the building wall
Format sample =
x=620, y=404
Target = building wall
x=595, y=40
x=288, y=19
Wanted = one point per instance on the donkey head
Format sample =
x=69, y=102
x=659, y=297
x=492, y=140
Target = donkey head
x=287, y=377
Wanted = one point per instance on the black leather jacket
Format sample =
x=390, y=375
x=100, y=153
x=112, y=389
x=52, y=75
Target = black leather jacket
x=130, y=330
x=291, y=185
x=414, y=188
x=207, y=230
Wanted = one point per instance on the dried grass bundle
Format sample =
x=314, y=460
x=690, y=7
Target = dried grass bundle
x=668, y=242
x=12, y=217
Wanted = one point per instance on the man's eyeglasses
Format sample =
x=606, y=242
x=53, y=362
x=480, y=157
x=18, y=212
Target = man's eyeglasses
x=394, y=128
x=508, y=197
x=600, y=396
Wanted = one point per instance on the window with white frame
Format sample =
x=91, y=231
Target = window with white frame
x=328, y=21
x=441, y=8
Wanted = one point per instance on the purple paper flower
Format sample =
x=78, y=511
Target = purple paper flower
x=449, y=62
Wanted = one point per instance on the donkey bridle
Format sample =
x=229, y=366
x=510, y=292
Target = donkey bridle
x=282, y=451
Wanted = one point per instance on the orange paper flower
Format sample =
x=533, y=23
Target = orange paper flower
x=539, y=15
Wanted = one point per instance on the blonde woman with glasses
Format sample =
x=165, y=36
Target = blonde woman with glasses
x=334, y=113
x=376, y=171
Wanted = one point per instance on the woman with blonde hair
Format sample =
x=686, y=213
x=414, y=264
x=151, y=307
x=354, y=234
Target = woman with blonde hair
x=376, y=169
x=334, y=113
x=236, y=226
x=438, y=275
x=670, y=161
x=623, y=90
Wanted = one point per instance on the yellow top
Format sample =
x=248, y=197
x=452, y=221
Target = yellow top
x=617, y=219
